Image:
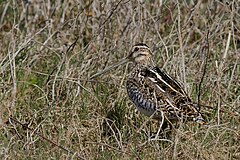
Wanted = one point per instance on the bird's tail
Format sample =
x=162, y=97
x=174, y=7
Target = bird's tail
x=200, y=120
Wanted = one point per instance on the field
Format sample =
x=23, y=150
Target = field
x=51, y=109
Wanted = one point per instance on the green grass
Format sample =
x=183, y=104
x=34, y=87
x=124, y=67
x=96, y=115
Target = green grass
x=44, y=78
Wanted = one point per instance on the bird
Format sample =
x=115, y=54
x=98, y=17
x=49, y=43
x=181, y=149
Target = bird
x=154, y=92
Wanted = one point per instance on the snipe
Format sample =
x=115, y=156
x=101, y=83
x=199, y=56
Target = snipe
x=154, y=92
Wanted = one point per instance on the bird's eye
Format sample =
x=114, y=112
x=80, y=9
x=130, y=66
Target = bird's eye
x=136, y=49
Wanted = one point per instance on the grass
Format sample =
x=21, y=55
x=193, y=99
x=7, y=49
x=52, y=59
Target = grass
x=48, y=51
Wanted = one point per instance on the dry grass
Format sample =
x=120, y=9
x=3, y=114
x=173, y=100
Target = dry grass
x=49, y=49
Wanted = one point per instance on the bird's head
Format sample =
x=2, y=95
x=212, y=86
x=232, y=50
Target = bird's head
x=141, y=55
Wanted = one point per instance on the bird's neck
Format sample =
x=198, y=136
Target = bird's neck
x=139, y=70
x=149, y=65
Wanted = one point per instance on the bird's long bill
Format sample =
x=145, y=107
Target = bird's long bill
x=125, y=60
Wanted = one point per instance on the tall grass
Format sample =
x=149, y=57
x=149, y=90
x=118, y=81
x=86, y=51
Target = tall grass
x=49, y=49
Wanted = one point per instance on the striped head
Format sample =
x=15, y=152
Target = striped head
x=141, y=55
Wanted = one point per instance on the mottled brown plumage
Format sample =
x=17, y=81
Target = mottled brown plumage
x=154, y=92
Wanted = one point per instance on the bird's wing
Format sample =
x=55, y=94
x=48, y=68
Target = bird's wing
x=171, y=93
x=169, y=80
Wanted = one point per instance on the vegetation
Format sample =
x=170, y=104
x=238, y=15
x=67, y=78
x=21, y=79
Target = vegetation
x=50, y=109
